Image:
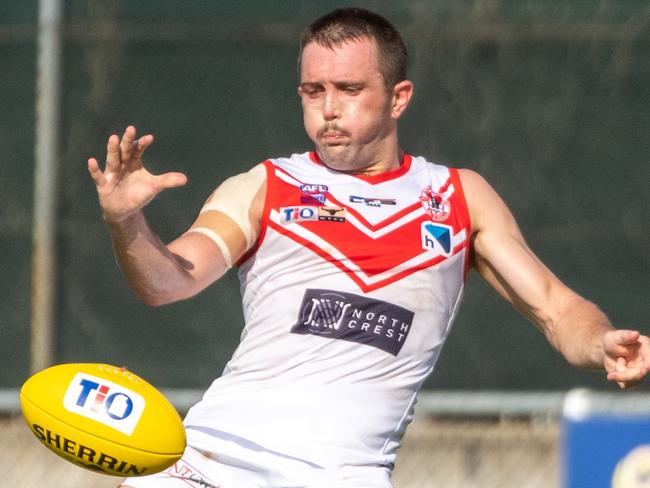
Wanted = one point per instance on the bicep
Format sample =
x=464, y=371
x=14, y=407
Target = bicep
x=504, y=260
x=513, y=270
x=200, y=258
x=226, y=227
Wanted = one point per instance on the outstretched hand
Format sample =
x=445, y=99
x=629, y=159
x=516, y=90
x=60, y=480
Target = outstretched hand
x=125, y=186
x=627, y=357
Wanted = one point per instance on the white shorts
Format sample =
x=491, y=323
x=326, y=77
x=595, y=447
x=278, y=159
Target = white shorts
x=197, y=469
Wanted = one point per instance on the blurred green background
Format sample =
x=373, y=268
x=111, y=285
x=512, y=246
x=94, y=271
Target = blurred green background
x=549, y=100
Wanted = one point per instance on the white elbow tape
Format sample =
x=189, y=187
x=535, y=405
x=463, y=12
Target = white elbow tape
x=216, y=238
x=234, y=198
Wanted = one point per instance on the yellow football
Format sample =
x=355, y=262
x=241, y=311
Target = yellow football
x=103, y=418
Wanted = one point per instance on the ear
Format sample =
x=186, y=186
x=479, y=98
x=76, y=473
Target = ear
x=402, y=93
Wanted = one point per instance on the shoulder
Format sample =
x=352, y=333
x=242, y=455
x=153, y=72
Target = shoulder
x=472, y=181
x=248, y=183
x=240, y=195
x=477, y=190
x=485, y=205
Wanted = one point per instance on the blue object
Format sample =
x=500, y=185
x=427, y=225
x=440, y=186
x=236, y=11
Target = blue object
x=592, y=447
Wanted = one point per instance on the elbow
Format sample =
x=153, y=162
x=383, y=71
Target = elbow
x=578, y=334
x=154, y=299
x=158, y=299
x=155, y=295
x=163, y=293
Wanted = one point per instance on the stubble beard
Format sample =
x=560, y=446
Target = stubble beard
x=348, y=156
x=352, y=156
x=339, y=157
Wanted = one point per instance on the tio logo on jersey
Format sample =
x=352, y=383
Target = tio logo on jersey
x=298, y=214
x=104, y=401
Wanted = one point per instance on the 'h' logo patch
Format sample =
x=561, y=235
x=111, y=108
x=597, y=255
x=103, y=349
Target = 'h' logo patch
x=436, y=237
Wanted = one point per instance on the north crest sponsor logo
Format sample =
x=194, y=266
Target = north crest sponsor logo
x=435, y=205
x=436, y=237
x=354, y=318
x=104, y=401
x=373, y=202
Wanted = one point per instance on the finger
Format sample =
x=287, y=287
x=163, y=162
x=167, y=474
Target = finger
x=95, y=173
x=619, y=367
x=140, y=145
x=626, y=337
x=628, y=376
x=626, y=385
x=113, y=154
x=622, y=343
x=171, y=180
x=126, y=144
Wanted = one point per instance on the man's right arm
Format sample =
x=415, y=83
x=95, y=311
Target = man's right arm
x=157, y=273
x=160, y=273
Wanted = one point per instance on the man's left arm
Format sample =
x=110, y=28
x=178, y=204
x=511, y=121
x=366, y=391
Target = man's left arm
x=574, y=326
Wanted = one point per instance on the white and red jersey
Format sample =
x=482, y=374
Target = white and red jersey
x=348, y=297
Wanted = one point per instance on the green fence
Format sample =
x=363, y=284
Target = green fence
x=548, y=100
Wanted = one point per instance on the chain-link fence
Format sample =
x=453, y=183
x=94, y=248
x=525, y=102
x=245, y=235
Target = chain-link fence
x=437, y=453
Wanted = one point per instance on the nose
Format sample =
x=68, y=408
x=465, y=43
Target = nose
x=331, y=108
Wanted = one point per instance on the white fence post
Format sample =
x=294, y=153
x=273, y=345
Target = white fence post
x=46, y=171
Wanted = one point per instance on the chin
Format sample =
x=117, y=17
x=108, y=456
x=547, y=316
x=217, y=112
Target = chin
x=336, y=157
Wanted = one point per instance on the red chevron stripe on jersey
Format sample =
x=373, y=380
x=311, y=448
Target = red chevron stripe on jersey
x=389, y=220
x=371, y=253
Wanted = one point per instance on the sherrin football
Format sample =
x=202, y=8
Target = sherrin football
x=103, y=418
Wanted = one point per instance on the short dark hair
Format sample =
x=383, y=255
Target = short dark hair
x=351, y=24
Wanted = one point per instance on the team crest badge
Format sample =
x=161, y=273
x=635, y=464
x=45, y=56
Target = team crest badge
x=435, y=205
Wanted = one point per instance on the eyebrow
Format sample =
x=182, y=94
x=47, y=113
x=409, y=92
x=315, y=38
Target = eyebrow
x=309, y=84
x=355, y=84
x=338, y=84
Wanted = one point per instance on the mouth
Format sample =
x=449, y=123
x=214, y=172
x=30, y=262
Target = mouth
x=333, y=137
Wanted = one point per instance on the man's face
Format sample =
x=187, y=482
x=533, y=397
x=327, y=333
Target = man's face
x=346, y=106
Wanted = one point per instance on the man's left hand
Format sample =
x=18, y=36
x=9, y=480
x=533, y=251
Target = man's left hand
x=627, y=357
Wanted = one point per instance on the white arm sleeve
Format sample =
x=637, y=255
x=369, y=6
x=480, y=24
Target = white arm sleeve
x=234, y=198
x=223, y=247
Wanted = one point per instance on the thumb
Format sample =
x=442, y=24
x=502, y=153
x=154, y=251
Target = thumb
x=625, y=337
x=171, y=180
x=631, y=336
